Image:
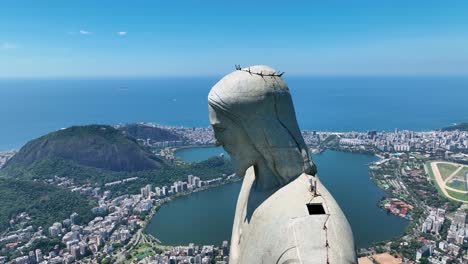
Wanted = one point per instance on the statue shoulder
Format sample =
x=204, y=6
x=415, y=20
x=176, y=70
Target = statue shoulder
x=293, y=218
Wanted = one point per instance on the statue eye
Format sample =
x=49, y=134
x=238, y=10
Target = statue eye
x=219, y=129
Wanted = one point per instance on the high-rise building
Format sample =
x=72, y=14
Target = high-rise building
x=38, y=255
x=75, y=251
x=459, y=219
x=149, y=187
x=190, y=251
x=32, y=257
x=55, y=229
x=225, y=247
x=172, y=260
x=424, y=251
x=22, y=260
x=66, y=223
x=82, y=246
x=74, y=218
x=56, y=260
x=72, y=243
x=437, y=225
x=68, y=258
x=144, y=192
x=190, y=179
x=196, y=182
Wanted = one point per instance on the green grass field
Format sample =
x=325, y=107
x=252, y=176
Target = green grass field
x=457, y=183
x=463, y=172
x=461, y=196
x=446, y=169
x=142, y=251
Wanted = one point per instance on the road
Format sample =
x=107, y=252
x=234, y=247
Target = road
x=120, y=258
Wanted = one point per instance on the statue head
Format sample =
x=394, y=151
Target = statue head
x=253, y=118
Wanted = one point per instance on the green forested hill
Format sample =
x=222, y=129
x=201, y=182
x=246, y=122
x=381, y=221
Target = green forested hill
x=97, y=146
x=461, y=127
x=45, y=203
x=87, y=154
x=144, y=131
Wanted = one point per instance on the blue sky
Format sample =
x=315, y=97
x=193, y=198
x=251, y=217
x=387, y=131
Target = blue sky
x=89, y=38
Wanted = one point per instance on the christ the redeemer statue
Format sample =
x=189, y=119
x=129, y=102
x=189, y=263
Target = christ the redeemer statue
x=284, y=214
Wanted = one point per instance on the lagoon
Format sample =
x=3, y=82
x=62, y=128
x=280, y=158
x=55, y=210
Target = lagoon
x=197, y=154
x=206, y=217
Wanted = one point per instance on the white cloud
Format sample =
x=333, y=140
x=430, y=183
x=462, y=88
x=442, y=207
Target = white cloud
x=122, y=33
x=84, y=32
x=7, y=45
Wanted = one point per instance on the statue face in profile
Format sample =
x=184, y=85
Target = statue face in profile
x=253, y=118
x=230, y=136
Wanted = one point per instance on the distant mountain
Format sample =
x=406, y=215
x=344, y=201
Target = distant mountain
x=97, y=146
x=461, y=127
x=144, y=131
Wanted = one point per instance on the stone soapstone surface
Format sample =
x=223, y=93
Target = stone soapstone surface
x=261, y=106
x=253, y=119
x=282, y=231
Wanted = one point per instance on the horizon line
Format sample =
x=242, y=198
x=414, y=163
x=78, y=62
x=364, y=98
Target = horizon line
x=129, y=77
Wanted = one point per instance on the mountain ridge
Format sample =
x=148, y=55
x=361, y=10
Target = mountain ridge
x=98, y=146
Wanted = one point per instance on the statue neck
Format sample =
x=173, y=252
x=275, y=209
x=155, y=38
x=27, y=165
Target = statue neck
x=265, y=179
x=263, y=184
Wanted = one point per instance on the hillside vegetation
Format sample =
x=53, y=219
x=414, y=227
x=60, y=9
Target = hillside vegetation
x=95, y=146
x=45, y=203
x=144, y=131
x=461, y=127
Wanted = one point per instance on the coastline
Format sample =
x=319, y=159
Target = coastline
x=167, y=200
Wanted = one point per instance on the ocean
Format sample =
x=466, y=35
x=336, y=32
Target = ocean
x=31, y=108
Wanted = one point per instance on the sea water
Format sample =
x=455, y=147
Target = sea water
x=31, y=108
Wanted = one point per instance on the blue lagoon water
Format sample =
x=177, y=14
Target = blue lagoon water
x=206, y=217
x=199, y=153
x=30, y=108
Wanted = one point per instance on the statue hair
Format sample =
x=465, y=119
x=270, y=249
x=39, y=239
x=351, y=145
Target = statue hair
x=273, y=132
